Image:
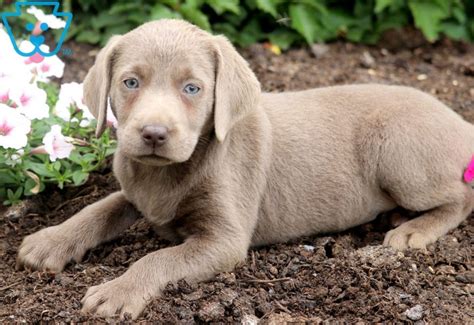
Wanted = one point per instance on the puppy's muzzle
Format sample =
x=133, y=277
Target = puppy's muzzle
x=155, y=135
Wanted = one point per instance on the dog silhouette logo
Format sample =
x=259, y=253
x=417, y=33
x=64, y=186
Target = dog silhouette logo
x=36, y=39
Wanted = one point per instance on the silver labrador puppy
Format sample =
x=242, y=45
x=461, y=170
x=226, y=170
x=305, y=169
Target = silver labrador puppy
x=211, y=161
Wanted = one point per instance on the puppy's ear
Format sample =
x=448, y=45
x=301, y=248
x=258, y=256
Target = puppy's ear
x=237, y=90
x=97, y=84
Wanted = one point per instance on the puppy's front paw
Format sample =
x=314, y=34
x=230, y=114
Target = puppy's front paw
x=115, y=298
x=408, y=236
x=48, y=249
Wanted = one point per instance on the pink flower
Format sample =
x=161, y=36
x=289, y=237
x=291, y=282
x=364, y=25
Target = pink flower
x=42, y=67
x=14, y=128
x=56, y=144
x=30, y=100
x=469, y=173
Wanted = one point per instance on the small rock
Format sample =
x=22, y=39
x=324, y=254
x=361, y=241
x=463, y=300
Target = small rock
x=367, y=60
x=63, y=314
x=414, y=313
x=467, y=277
x=227, y=278
x=249, y=320
x=195, y=295
x=422, y=77
x=211, y=310
x=319, y=50
x=377, y=256
x=227, y=296
x=20, y=210
x=308, y=248
x=273, y=270
x=446, y=269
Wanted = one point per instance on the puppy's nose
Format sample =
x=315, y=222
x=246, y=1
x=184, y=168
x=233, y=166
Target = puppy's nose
x=155, y=135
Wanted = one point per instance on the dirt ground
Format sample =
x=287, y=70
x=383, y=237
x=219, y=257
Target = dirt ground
x=346, y=277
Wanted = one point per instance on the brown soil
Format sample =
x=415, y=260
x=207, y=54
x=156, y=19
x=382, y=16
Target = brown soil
x=343, y=277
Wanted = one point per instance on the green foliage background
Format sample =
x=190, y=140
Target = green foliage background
x=282, y=22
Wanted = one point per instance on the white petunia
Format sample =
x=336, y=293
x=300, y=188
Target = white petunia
x=14, y=128
x=52, y=21
x=42, y=67
x=52, y=66
x=71, y=94
x=6, y=86
x=11, y=63
x=111, y=119
x=7, y=50
x=31, y=101
x=56, y=144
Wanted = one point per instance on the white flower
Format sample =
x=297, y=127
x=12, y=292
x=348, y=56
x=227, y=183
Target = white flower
x=111, y=119
x=6, y=45
x=43, y=67
x=6, y=86
x=30, y=100
x=71, y=94
x=11, y=63
x=52, y=66
x=52, y=21
x=56, y=144
x=14, y=128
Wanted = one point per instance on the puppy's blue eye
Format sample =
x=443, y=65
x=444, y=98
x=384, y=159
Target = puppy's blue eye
x=131, y=83
x=191, y=89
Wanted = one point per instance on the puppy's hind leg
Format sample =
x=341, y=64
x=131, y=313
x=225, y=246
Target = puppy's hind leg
x=433, y=224
x=429, y=180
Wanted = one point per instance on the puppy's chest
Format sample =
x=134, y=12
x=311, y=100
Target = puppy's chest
x=154, y=202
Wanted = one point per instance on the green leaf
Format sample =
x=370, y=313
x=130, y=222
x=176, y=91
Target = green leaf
x=303, y=20
x=105, y=19
x=269, y=6
x=7, y=177
x=39, y=169
x=88, y=36
x=380, y=5
x=127, y=7
x=14, y=196
x=170, y=3
x=428, y=16
x=284, y=38
x=31, y=184
x=79, y=177
x=455, y=31
x=460, y=14
x=221, y=6
x=317, y=5
x=195, y=16
x=159, y=12
x=251, y=34
x=115, y=30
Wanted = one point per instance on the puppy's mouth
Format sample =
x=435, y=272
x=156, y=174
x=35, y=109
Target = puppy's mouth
x=153, y=159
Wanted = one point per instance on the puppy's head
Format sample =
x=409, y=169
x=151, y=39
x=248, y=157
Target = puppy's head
x=168, y=83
